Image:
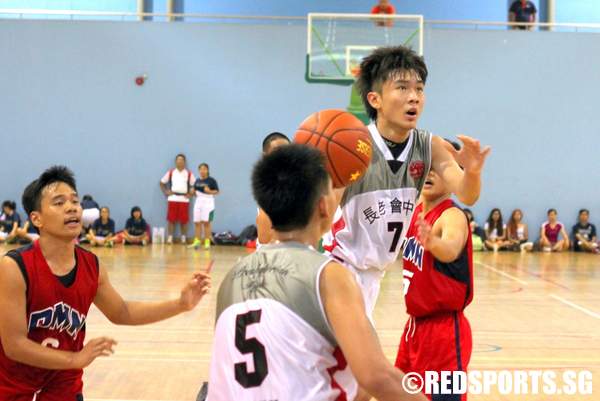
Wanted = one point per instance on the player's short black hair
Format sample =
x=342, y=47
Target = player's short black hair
x=205, y=165
x=382, y=65
x=180, y=155
x=551, y=210
x=583, y=211
x=9, y=204
x=287, y=184
x=271, y=137
x=32, y=196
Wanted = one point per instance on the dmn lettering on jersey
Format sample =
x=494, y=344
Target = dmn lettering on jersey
x=413, y=252
x=60, y=317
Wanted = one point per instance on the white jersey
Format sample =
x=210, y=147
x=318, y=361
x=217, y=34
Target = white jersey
x=374, y=215
x=272, y=340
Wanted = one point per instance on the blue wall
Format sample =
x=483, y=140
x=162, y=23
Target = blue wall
x=431, y=9
x=214, y=91
x=580, y=11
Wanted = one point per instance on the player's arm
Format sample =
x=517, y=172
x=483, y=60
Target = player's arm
x=119, y=311
x=13, y=329
x=264, y=227
x=163, y=185
x=345, y=310
x=565, y=236
x=453, y=233
x=466, y=184
x=543, y=234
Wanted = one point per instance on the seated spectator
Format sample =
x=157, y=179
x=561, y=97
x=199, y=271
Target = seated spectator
x=102, y=232
x=517, y=233
x=477, y=233
x=522, y=11
x=584, y=234
x=384, y=7
x=136, y=228
x=28, y=233
x=495, y=232
x=551, y=232
x=91, y=211
x=9, y=222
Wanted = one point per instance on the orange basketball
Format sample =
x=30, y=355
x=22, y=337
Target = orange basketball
x=343, y=139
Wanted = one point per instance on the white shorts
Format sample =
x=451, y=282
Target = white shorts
x=369, y=281
x=204, y=210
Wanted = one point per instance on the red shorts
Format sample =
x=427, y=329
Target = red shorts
x=58, y=385
x=178, y=212
x=436, y=343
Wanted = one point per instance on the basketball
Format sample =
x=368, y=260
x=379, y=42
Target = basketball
x=343, y=139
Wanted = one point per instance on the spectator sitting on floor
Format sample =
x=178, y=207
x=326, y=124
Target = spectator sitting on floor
x=495, y=231
x=103, y=230
x=477, y=233
x=517, y=233
x=28, y=233
x=9, y=222
x=136, y=228
x=584, y=234
x=550, y=233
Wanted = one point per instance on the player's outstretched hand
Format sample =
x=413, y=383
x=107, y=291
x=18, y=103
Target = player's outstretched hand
x=102, y=346
x=194, y=290
x=471, y=156
x=424, y=232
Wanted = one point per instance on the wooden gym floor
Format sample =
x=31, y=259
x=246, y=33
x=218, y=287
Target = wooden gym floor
x=530, y=311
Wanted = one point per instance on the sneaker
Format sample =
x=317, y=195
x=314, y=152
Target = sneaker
x=183, y=240
x=547, y=249
x=206, y=244
x=170, y=240
x=496, y=246
x=144, y=242
x=196, y=244
x=109, y=244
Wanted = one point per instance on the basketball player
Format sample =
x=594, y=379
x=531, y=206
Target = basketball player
x=263, y=223
x=438, y=285
x=288, y=317
x=375, y=212
x=46, y=289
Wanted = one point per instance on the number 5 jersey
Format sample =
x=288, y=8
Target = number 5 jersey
x=272, y=339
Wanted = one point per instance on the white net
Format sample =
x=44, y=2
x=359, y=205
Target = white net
x=338, y=42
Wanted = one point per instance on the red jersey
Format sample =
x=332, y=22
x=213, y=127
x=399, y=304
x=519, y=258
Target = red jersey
x=431, y=286
x=56, y=315
x=552, y=232
x=383, y=10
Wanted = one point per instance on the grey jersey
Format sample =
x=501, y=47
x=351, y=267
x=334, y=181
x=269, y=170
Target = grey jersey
x=375, y=212
x=285, y=272
x=272, y=340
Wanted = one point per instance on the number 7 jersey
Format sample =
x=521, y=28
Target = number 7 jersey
x=375, y=212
